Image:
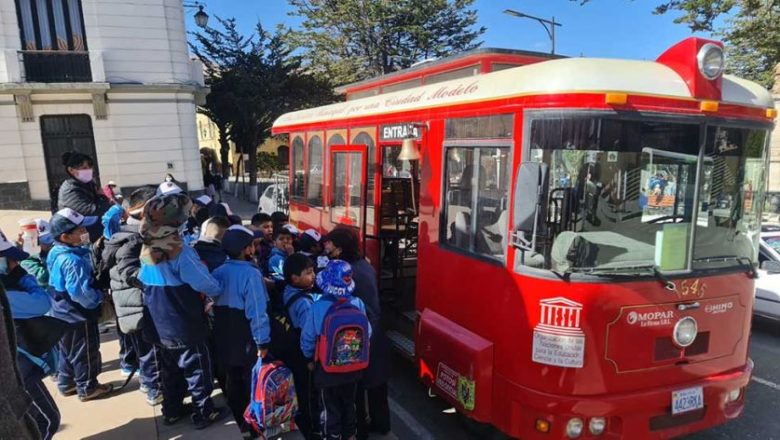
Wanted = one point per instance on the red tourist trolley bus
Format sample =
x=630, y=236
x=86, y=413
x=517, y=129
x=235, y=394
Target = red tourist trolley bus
x=581, y=233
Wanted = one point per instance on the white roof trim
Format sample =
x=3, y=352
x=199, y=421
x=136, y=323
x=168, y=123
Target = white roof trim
x=568, y=75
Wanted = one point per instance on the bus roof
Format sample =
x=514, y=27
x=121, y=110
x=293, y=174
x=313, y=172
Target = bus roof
x=569, y=75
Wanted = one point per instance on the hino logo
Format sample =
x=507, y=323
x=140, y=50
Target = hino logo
x=719, y=308
x=648, y=319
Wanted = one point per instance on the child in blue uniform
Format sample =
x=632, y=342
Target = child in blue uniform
x=29, y=303
x=76, y=301
x=283, y=247
x=241, y=328
x=337, y=391
x=175, y=310
x=298, y=298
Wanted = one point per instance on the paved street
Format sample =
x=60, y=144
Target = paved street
x=416, y=416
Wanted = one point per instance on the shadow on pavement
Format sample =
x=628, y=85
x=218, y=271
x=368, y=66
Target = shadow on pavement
x=127, y=431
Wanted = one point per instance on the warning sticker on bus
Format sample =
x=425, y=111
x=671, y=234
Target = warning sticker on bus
x=447, y=380
x=558, y=338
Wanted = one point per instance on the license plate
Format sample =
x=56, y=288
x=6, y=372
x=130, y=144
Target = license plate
x=687, y=400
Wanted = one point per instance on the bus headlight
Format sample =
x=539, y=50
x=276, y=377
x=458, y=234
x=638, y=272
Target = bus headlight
x=574, y=428
x=685, y=332
x=597, y=425
x=711, y=61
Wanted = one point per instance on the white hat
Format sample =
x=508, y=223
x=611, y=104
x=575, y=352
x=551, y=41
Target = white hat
x=313, y=234
x=227, y=208
x=293, y=230
x=203, y=200
x=111, y=183
x=166, y=188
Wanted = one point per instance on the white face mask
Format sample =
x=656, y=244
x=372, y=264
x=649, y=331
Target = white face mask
x=85, y=239
x=3, y=266
x=84, y=176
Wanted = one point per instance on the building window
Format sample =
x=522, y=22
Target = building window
x=476, y=185
x=54, y=45
x=315, y=172
x=51, y=25
x=298, y=170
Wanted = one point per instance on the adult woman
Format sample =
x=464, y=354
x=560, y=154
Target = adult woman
x=80, y=193
x=342, y=243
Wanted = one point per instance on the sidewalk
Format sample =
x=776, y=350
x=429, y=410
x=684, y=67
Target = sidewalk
x=126, y=415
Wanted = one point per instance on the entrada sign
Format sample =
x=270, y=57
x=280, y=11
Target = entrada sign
x=399, y=131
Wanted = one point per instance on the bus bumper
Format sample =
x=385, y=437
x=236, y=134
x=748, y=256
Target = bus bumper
x=636, y=416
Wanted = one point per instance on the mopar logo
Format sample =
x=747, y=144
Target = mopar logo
x=650, y=318
x=719, y=308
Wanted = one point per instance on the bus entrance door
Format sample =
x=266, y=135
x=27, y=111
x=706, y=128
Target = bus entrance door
x=347, y=199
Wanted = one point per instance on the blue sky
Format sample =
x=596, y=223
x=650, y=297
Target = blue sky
x=602, y=28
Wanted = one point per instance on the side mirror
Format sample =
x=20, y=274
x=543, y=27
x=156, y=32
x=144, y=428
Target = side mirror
x=771, y=266
x=530, y=202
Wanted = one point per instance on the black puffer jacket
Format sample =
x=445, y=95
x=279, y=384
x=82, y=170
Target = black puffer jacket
x=15, y=422
x=122, y=255
x=86, y=199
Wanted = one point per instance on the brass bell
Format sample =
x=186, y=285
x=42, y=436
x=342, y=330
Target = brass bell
x=409, y=150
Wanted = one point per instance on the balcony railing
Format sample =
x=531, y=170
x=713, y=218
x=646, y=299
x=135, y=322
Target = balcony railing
x=56, y=66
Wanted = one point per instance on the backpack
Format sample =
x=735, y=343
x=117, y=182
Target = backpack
x=273, y=402
x=343, y=345
x=286, y=339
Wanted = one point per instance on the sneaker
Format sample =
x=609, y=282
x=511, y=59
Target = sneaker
x=154, y=400
x=172, y=419
x=67, y=392
x=126, y=371
x=203, y=422
x=99, y=391
x=143, y=388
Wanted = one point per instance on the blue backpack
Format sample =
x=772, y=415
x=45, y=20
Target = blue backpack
x=343, y=345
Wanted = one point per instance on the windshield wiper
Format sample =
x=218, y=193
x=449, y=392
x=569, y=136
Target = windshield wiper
x=744, y=262
x=627, y=270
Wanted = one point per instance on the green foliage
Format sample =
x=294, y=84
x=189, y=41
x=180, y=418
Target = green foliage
x=253, y=81
x=268, y=162
x=751, y=33
x=351, y=40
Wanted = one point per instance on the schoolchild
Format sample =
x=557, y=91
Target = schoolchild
x=337, y=390
x=29, y=303
x=76, y=301
x=279, y=219
x=310, y=244
x=241, y=329
x=282, y=249
x=298, y=298
x=264, y=232
x=122, y=254
x=35, y=265
x=209, y=244
x=173, y=277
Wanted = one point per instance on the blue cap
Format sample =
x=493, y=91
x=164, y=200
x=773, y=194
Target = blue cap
x=66, y=220
x=237, y=238
x=336, y=279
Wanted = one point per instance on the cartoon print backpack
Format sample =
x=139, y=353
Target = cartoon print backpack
x=273, y=401
x=343, y=345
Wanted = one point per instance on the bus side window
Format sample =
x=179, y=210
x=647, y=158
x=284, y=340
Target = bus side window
x=298, y=170
x=476, y=191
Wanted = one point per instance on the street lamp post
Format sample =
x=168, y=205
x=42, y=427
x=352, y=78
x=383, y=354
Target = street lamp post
x=544, y=22
x=201, y=17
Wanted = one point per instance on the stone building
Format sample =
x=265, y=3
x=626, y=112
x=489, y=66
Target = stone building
x=111, y=78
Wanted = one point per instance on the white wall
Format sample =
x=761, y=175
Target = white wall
x=140, y=41
x=774, y=147
x=133, y=146
x=10, y=42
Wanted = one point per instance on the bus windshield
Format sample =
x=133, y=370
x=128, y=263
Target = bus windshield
x=636, y=195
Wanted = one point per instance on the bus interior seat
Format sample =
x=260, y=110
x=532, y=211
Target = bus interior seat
x=492, y=239
x=460, y=230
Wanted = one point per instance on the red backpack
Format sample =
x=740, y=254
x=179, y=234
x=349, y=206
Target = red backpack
x=343, y=345
x=273, y=402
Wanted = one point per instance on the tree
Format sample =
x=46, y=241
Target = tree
x=350, y=40
x=751, y=34
x=254, y=80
